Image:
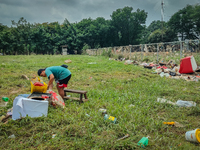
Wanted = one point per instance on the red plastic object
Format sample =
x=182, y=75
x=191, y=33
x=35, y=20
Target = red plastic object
x=38, y=84
x=162, y=67
x=188, y=65
x=45, y=96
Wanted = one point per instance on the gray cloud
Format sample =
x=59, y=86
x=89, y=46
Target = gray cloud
x=39, y=11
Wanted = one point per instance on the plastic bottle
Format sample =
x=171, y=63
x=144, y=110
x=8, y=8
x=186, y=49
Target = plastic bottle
x=111, y=118
x=143, y=142
x=5, y=99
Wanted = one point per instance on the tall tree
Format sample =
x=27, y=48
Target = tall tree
x=23, y=29
x=182, y=23
x=128, y=25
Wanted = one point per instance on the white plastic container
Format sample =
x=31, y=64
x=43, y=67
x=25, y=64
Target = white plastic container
x=193, y=136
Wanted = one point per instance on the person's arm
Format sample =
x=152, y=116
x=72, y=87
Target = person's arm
x=50, y=84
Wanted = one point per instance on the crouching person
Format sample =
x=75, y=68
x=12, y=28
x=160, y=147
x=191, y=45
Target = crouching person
x=61, y=75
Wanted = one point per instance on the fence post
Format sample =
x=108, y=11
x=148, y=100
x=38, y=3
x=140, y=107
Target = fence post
x=157, y=52
x=181, y=48
x=141, y=52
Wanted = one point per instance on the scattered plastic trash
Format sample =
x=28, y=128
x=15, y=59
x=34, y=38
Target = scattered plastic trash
x=193, y=136
x=162, y=67
x=53, y=136
x=143, y=142
x=172, y=73
x=162, y=100
x=11, y=136
x=131, y=105
x=162, y=74
x=124, y=137
x=182, y=103
x=5, y=99
x=103, y=111
x=87, y=115
x=176, y=124
x=111, y=118
x=148, y=67
x=128, y=62
x=169, y=123
x=10, y=112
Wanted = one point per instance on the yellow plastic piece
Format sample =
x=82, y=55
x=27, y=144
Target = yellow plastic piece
x=39, y=89
x=169, y=123
x=197, y=134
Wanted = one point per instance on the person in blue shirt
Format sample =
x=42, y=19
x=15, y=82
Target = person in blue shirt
x=61, y=75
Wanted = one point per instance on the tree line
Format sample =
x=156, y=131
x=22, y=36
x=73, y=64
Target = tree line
x=126, y=27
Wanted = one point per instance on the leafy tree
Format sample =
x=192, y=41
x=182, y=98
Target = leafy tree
x=159, y=31
x=23, y=30
x=182, y=23
x=4, y=39
x=196, y=19
x=128, y=25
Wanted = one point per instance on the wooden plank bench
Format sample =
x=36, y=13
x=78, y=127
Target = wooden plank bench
x=81, y=99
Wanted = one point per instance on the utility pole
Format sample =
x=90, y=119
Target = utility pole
x=162, y=15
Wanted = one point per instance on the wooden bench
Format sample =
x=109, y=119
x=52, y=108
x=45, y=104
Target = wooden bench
x=81, y=99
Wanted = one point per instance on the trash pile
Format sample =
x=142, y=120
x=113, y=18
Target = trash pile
x=187, y=70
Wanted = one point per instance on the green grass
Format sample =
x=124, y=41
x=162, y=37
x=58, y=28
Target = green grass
x=113, y=86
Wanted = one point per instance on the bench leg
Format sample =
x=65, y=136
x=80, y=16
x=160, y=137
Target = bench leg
x=81, y=98
x=85, y=96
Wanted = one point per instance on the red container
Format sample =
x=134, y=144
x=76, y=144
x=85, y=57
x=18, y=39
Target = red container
x=188, y=65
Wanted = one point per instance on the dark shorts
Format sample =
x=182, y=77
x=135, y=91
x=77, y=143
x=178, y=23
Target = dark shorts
x=63, y=82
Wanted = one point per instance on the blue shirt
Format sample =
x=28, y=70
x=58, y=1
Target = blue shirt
x=59, y=72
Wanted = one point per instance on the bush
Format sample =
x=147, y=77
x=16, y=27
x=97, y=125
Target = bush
x=85, y=47
x=107, y=53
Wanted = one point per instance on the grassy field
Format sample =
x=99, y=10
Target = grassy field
x=110, y=85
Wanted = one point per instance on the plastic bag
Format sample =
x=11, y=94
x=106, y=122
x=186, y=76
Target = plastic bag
x=56, y=100
x=182, y=103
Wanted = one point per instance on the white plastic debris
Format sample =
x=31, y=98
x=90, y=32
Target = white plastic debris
x=162, y=74
x=12, y=136
x=53, y=136
x=182, y=103
x=162, y=100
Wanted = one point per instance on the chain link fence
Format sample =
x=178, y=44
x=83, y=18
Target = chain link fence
x=151, y=52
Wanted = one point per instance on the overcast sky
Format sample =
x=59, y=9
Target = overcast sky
x=40, y=11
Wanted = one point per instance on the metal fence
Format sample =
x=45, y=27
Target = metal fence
x=153, y=51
